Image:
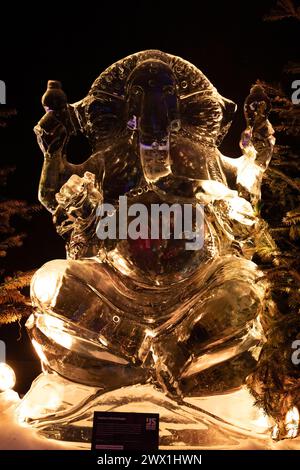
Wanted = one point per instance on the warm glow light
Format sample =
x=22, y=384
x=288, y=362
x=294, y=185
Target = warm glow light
x=149, y=333
x=241, y=210
x=119, y=262
x=103, y=341
x=249, y=175
x=217, y=190
x=154, y=355
x=54, y=327
x=39, y=351
x=53, y=400
x=275, y=432
x=7, y=377
x=45, y=285
x=49, y=399
x=292, y=422
x=263, y=422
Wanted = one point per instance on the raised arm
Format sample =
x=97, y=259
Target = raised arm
x=53, y=133
x=257, y=144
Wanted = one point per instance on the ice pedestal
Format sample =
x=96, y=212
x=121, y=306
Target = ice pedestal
x=63, y=410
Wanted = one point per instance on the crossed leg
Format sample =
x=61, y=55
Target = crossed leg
x=205, y=336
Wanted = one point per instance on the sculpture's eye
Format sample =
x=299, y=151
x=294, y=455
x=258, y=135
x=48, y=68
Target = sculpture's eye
x=169, y=90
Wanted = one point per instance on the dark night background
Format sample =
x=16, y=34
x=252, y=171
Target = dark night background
x=227, y=40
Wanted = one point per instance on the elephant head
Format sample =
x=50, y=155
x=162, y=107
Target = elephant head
x=153, y=94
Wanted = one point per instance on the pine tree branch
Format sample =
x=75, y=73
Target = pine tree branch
x=288, y=180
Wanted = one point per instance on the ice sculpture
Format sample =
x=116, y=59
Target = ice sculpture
x=121, y=312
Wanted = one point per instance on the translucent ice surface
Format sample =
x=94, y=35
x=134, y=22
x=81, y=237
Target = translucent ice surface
x=143, y=311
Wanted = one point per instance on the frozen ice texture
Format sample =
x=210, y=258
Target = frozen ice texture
x=63, y=410
x=124, y=311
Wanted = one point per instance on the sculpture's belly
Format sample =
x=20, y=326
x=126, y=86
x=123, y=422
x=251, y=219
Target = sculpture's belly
x=165, y=246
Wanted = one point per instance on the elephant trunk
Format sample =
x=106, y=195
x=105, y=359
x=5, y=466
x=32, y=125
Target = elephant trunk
x=154, y=104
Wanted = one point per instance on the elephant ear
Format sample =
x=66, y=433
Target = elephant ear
x=229, y=109
x=205, y=114
x=101, y=116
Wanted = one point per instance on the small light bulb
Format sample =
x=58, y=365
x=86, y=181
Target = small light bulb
x=7, y=377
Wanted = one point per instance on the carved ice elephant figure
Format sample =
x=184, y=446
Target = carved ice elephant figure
x=130, y=310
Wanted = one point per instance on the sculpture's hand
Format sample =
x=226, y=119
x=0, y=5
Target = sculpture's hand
x=52, y=135
x=257, y=144
x=257, y=107
x=166, y=380
x=169, y=357
x=76, y=214
x=80, y=195
x=258, y=140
